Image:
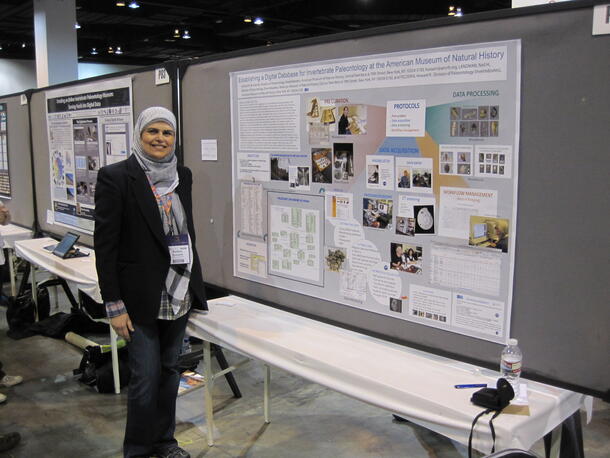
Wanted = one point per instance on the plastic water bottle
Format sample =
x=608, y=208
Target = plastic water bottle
x=510, y=364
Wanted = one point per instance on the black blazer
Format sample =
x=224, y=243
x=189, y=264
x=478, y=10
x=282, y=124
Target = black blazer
x=132, y=258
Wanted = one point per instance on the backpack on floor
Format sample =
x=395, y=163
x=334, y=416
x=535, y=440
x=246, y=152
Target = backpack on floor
x=21, y=312
x=95, y=369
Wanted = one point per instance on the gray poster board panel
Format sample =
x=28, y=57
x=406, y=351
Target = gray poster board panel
x=21, y=203
x=144, y=94
x=560, y=304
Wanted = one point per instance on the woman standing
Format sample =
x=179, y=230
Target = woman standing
x=344, y=122
x=149, y=275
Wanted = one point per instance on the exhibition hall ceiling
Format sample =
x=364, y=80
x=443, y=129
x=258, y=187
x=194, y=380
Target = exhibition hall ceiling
x=158, y=31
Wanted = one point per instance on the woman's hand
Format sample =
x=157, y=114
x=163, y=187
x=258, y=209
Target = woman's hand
x=122, y=326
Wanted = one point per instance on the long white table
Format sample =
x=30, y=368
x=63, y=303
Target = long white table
x=10, y=234
x=413, y=384
x=81, y=271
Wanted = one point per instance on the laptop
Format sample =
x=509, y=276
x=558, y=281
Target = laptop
x=65, y=248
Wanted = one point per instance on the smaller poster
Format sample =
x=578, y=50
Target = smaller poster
x=414, y=175
x=380, y=172
x=456, y=160
x=88, y=126
x=406, y=118
x=493, y=161
x=339, y=205
x=252, y=257
x=254, y=167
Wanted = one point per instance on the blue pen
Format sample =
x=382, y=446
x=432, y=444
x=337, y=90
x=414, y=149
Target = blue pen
x=472, y=385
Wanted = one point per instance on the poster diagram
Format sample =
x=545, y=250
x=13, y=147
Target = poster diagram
x=346, y=190
x=89, y=126
x=5, y=178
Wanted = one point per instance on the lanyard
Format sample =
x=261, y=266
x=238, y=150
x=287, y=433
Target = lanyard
x=164, y=202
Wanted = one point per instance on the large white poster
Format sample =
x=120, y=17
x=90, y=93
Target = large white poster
x=385, y=182
x=89, y=126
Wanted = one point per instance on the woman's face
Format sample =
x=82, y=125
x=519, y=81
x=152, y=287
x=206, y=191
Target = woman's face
x=411, y=252
x=158, y=139
x=345, y=111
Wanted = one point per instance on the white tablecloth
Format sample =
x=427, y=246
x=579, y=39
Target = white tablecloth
x=11, y=233
x=414, y=384
x=78, y=270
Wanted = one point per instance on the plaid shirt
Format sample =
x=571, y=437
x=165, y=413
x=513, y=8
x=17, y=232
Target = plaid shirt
x=116, y=308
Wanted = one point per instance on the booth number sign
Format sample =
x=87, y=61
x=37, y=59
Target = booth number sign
x=161, y=76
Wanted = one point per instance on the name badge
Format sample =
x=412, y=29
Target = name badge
x=178, y=248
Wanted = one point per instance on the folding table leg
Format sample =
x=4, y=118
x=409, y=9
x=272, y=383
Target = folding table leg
x=207, y=389
x=34, y=290
x=115, y=361
x=222, y=361
x=11, y=267
x=266, y=395
x=553, y=448
x=566, y=439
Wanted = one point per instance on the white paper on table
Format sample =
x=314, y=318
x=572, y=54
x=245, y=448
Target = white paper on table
x=521, y=398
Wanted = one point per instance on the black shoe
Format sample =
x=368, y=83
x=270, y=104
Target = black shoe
x=174, y=452
x=10, y=440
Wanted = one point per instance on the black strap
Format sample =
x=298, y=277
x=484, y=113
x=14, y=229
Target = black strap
x=493, y=430
x=474, y=422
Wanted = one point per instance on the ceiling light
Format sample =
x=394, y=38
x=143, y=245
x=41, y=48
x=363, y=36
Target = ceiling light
x=0, y=47
x=451, y=11
x=23, y=45
x=118, y=50
x=458, y=12
x=176, y=33
x=119, y=3
x=133, y=5
x=77, y=26
x=110, y=50
x=258, y=21
x=186, y=35
x=93, y=51
x=247, y=19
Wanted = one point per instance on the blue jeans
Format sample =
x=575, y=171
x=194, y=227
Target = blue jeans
x=153, y=387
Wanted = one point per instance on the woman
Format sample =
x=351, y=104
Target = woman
x=344, y=122
x=411, y=255
x=501, y=231
x=149, y=275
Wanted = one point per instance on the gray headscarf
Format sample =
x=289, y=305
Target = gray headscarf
x=162, y=172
